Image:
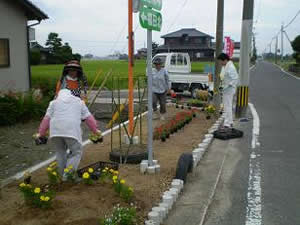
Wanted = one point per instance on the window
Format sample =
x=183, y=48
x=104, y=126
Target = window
x=179, y=60
x=173, y=60
x=4, y=53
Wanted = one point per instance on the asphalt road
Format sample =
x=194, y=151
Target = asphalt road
x=272, y=194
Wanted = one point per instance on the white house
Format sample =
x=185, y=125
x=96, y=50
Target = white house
x=14, y=44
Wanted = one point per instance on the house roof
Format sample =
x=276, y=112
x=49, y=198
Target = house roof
x=32, y=12
x=191, y=32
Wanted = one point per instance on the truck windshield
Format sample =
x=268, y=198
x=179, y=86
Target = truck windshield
x=162, y=58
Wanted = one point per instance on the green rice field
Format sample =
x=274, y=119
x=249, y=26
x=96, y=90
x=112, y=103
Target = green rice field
x=49, y=74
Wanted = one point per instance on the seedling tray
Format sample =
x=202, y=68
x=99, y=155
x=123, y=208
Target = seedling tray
x=98, y=167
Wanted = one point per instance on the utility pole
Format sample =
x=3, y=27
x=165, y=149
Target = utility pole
x=246, y=38
x=282, y=30
x=276, y=49
x=130, y=66
x=219, y=48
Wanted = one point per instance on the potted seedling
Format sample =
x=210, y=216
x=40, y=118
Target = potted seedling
x=96, y=138
x=163, y=137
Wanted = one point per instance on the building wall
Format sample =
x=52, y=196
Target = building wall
x=13, y=24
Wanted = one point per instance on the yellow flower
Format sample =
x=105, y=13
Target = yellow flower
x=66, y=170
x=53, y=164
x=29, y=185
x=104, y=171
x=49, y=169
x=47, y=199
x=70, y=167
x=111, y=170
x=106, y=168
x=37, y=190
x=114, y=181
x=116, y=172
x=130, y=189
x=91, y=170
x=122, y=181
x=42, y=198
x=86, y=175
x=22, y=185
x=115, y=178
x=54, y=173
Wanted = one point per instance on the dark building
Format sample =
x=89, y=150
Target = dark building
x=192, y=41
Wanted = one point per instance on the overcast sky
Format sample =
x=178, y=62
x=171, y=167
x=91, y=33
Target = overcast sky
x=100, y=27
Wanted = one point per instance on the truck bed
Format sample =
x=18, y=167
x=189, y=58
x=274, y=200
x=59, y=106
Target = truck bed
x=188, y=78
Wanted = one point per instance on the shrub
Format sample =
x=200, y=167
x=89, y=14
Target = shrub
x=120, y=216
x=21, y=107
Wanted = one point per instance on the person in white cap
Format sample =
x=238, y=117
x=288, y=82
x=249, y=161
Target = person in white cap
x=230, y=82
x=63, y=119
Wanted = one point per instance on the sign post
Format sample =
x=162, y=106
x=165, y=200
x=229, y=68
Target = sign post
x=150, y=19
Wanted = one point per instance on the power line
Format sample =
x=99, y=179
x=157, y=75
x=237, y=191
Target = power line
x=297, y=14
x=177, y=15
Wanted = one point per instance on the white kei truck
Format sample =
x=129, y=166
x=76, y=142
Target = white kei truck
x=178, y=66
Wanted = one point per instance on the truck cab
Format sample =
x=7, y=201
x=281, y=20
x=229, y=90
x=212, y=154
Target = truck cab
x=178, y=66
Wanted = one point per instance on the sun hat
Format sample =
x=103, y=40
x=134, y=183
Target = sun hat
x=73, y=65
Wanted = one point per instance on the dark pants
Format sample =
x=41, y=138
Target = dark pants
x=161, y=98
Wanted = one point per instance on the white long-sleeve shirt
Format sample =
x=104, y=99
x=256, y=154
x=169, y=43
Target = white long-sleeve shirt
x=66, y=113
x=231, y=77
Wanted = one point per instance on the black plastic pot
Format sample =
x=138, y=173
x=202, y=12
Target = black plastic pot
x=177, y=106
x=208, y=117
x=163, y=139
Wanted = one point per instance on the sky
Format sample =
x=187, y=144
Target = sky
x=100, y=27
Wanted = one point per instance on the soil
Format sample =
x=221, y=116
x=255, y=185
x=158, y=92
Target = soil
x=80, y=204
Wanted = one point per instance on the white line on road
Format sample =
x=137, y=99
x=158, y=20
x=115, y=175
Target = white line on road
x=298, y=78
x=254, y=208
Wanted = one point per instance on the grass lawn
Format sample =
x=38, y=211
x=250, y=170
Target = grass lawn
x=49, y=74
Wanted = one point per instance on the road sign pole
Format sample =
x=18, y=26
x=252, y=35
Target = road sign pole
x=150, y=111
x=130, y=65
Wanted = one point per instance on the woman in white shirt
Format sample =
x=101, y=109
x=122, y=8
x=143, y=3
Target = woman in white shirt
x=230, y=82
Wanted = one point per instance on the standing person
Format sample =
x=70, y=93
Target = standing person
x=160, y=88
x=73, y=79
x=63, y=117
x=230, y=82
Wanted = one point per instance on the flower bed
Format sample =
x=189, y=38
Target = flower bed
x=172, y=126
x=79, y=204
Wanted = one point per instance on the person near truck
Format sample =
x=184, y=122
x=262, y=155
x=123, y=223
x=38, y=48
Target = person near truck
x=63, y=119
x=160, y=88
x=230, y=82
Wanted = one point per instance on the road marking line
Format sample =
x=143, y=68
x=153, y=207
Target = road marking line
x=298, y=78
x=254, y=208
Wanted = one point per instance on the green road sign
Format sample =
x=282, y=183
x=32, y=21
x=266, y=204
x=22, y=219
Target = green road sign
x=150, y=19
x=155, y=4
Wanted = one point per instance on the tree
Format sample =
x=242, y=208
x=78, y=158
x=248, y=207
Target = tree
x=77, y=56
x=58, y=52
x=296, y=48
x=35, y=57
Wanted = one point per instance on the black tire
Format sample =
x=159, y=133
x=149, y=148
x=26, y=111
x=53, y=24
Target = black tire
x=184, y=165
x=131, y=159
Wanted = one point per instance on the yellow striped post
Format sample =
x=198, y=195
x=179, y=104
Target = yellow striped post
x=242, y=100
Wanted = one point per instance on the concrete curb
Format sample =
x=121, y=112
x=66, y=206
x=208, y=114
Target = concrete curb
x=169, y=197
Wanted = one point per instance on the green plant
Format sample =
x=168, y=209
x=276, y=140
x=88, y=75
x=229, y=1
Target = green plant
x=53, y=175
x=120, y=216
x=36, y=197
x=87, y=178
x=296, y=48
